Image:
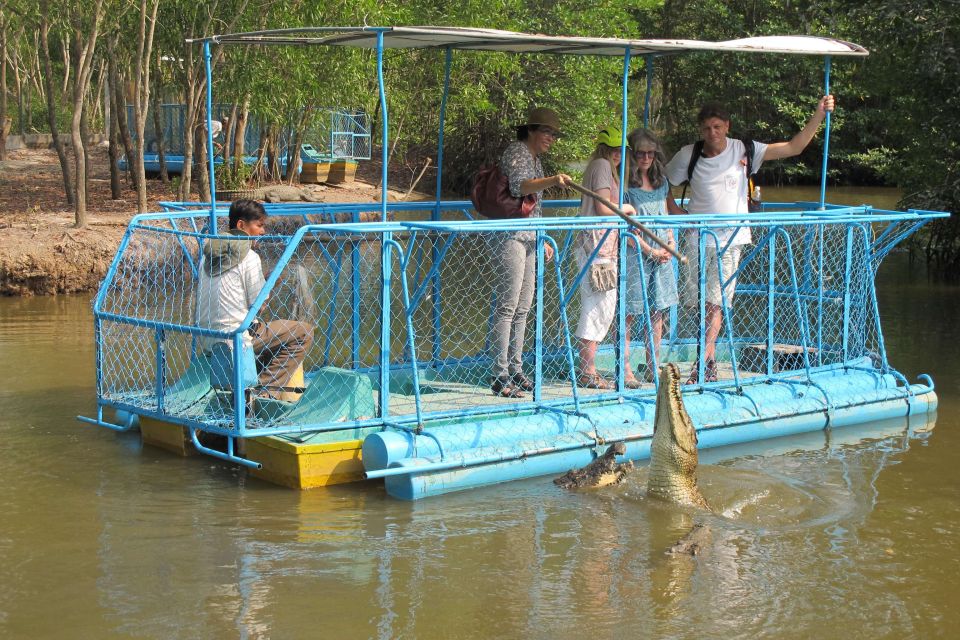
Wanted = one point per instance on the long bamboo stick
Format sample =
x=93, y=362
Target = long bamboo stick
x=633, y=223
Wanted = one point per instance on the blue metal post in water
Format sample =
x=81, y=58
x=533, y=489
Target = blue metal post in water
x=213, y=186
x=826, y=136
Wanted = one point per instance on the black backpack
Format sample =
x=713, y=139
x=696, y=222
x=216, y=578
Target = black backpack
x=753, y=206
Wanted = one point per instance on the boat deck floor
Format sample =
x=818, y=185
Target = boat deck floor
x=442, y=396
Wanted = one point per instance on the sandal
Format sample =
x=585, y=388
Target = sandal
x=645, y=373
x=593, y=381
x=522, y=382
x=709, y=373
x=504, y=388
x=632, y=383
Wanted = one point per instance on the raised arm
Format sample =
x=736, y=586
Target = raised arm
x=799, y=142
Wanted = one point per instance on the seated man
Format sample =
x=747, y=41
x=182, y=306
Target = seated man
x=231, y=278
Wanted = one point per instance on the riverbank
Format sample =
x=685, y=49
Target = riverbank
x=41, y=253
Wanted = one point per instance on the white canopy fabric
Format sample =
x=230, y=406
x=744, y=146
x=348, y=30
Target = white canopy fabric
x=464, y=38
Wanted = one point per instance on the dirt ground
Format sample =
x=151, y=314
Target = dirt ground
x=41, y=252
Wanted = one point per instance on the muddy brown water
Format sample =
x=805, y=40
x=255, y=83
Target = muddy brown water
x=848, y=534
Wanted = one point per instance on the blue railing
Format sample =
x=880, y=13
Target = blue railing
x=401, y=311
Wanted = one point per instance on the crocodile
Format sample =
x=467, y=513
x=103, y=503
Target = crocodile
x=673, y=450
x=673, y=463
x=602, y=472
x=272, y=193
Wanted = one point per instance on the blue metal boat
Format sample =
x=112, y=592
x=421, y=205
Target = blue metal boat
x=402, y=311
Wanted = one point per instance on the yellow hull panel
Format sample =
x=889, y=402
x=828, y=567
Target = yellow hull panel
x=298, y=466
x=306, y=466
x=166, y=435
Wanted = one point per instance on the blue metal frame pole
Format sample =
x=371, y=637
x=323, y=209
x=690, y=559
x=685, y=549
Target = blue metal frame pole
x=623, y=123
x=385, y=128
x=621, y=283
x=821, y=232
x=448, y=59
x=386, y=270
x=826, y=135
x=846, y=292
x=564, y=320
x=435, y=215
x=160, y=382
x=213, y=186
x=874, y=305
x=239, y=401
x=771, y=281
x=538, y=327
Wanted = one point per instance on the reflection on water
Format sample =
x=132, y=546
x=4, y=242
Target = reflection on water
x=847, y=533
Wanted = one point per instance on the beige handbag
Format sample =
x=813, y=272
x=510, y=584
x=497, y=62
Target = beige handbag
x=603, y=276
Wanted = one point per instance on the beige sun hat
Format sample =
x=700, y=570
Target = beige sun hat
x=544, y=116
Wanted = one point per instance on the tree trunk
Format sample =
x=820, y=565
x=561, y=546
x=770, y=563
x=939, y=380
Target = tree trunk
x=85, y=134
x=116, y=189
x=203, y=175
x=189, y=117
x=120, y=106
x=84, y=68
x=292, y=174
x=228, y=129
x=5, y=122
x=51, y=92
x=141, y=91
x=21, y=125
x=240, y=131
x=161, y=139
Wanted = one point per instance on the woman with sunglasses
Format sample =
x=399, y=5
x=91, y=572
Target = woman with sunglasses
x=649, y=194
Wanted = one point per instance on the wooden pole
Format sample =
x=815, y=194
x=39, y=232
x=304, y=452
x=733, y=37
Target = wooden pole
x=633, y=223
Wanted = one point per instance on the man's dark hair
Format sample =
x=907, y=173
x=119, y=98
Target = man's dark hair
x=712, y=110
x=246, y=210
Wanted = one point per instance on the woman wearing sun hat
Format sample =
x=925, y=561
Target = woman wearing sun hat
x=513, y=254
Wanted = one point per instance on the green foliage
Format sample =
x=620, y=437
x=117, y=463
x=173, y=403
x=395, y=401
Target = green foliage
x=914, y=106
x=233, y=176
x=896, y=123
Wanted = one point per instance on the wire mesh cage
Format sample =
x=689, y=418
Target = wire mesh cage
x=402, y=322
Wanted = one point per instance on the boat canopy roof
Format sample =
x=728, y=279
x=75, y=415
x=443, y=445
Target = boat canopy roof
x=466, y=38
